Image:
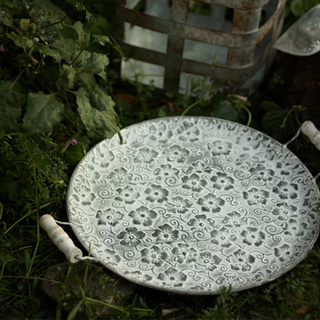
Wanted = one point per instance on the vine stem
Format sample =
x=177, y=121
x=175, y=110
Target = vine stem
x=249, y=115
x=54, y=23
x=190, y=107
x=17, y=78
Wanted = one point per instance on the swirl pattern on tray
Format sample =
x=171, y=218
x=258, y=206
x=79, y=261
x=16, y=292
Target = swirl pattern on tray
x=191, y=204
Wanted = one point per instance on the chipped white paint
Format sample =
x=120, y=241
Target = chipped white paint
x=309, y=129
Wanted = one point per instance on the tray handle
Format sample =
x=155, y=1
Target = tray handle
x=60, y=238
x=310, y=130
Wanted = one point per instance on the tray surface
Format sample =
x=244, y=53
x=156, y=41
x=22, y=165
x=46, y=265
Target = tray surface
x=192, y=204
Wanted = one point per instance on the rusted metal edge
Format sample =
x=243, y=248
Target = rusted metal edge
x=196, y=67
x=236, y=4
x=226, y=39
x=271, y=22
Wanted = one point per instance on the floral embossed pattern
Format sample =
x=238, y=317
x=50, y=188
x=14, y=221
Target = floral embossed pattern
x=191, y=204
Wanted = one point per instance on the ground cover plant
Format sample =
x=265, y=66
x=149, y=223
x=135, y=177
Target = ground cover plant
x=56, y=89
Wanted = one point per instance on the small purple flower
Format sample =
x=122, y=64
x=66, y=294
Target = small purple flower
x=108, y=216
x=208, y=260
x=73, y=142
x=143, y=216
x=131, y=236
x=194, y=183
x=156, y=193
x=211, y=203
x=172, y=276
x=222, y=181
x=165, y=233
x=153, y=255
x=256, y=196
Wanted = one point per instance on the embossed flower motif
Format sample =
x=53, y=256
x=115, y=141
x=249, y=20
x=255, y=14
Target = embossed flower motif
x=120, y=176
x=199, y=167
x=187, y=132
x=143, y=216
x=256, y=196
x=173, y=276
x=85, y=171
x=165, y=233
x=211, y=203
x=127, y=194
x=179, y=204
x=156, y=193
x=219, y=147
x=160, y=133
x=234, y=220
x=103, y=159
x=260, y=172
x=200, y=222
x=251, y=139
x=283, y=211
x=223, y=237
x=145, y=155
x=153, y=255
x=111, y=256
x=253, y=236
x=241, y=260
x=131, y=236
x=193, y=182
x=283, y=168
x=294, y=229
x=222, y=181
x=286, y=190
x=108, y=216
x=246, y=161
x=176, y=153
x=208, y=260
x=184, y=253
x=166, y=171
x=86, y=198
x=284, y=253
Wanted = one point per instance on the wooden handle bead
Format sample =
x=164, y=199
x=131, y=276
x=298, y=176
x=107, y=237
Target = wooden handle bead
x=309, y=129
x=60, y=238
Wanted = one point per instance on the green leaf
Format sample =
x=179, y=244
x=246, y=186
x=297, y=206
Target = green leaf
x=270, y=106
x=24, y=24
x=73, y=154
x=101, y=39
x=100, y=100
x=11, y=103
x=66, y=47
x=272, y=119
x=225, y=110
x=94, y=62
x=21, y=40
x=68, y=73
x=7, y=186
x=46, y=50
x=43, y=112
x=74, y=311
x=98, y=123
x=297, y=7
x=83, y=34
x=6, y=16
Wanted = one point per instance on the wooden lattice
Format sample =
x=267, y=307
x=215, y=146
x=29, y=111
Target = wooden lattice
x=243, y=60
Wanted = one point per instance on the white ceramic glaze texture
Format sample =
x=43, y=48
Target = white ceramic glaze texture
x=192, y=204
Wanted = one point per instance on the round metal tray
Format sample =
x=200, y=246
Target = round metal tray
x=192, y=204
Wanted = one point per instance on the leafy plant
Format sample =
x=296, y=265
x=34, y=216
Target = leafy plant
x=51, y=66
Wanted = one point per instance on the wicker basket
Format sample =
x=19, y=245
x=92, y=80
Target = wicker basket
x=255, y=25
